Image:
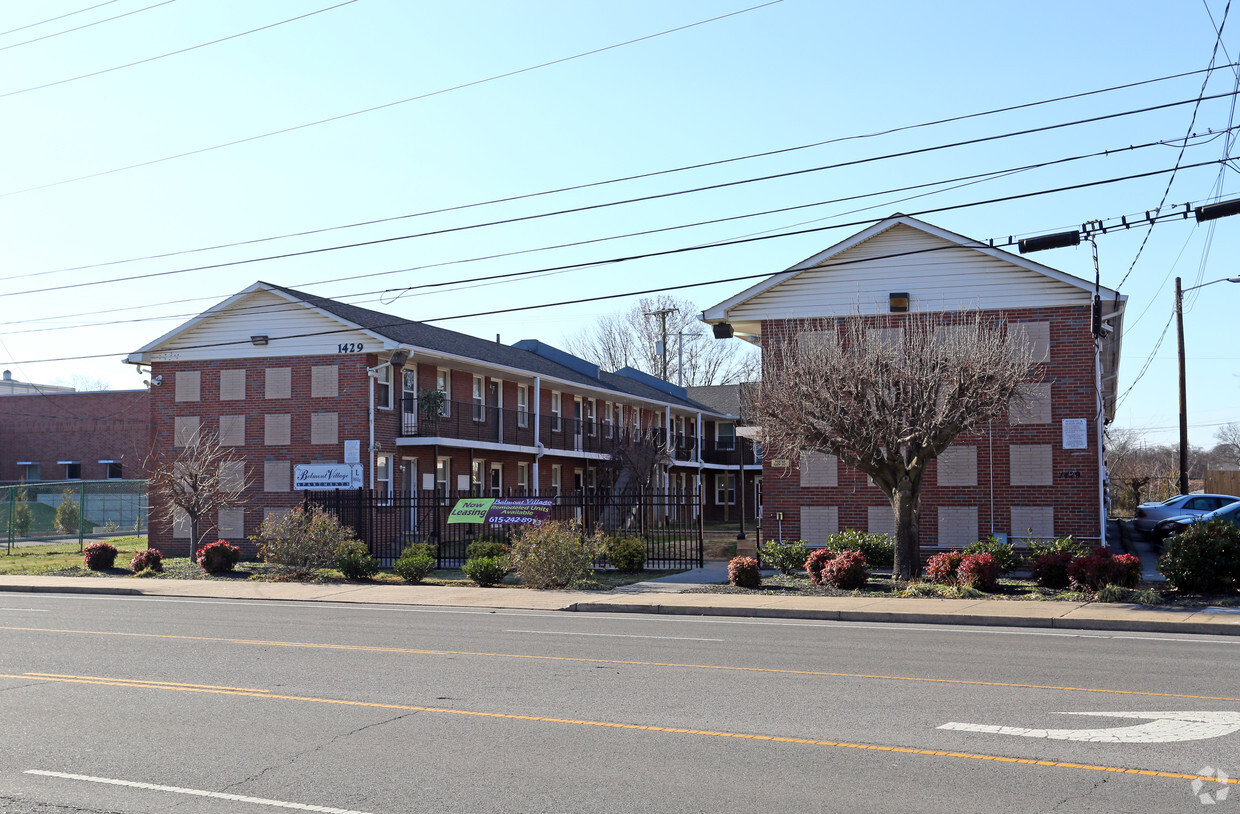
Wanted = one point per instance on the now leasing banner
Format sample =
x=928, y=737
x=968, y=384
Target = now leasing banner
x=528, y=511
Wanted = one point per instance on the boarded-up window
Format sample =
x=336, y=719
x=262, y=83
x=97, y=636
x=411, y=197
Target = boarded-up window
x=324, y=381
x=818, y=523
x=957, y=525
x=958, y=467
x=819, y=469
x=881, y=520
x=277, y=476
x=1033, y=521
x=277, y=429
x=884, y=337
x=1030, y=464
x=231, y=524
x=1031, y=404
x=180, y=524
x=232, y=385
x=279, y=382
x=188, y=385
x=232, y=430
x=270, y=513
x=323, y=428
x=1038, y=337
x=185, y=430
x=817, y=341
x=232, y=474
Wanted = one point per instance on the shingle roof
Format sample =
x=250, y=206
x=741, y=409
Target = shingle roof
x=432, y=338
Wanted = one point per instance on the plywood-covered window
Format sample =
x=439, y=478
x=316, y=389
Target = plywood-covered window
x=277, y=476
x=957, y=525
x=880, y=520
x=232, y=430
x=232, y=474
x=185, y=430
x=232, y=385
x=818, y=523
x=819, y=469
x=188, y=385
x=324, y=428
x=1033, y=521
x=277, y=429
x=1037, y=335
x=958, y=467
x=230, y=524
x=324, y=381
x=1031, y=404
x=278, y=383
x=1030, y=464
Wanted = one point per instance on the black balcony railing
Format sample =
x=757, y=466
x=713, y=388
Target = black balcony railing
x=470, y=421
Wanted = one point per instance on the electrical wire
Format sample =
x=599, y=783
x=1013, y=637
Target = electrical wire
x=57, y=17
x=172, y=53
x=384, y=106
x=87, y=25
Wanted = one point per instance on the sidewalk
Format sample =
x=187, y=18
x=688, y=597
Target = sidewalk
x=663, y=596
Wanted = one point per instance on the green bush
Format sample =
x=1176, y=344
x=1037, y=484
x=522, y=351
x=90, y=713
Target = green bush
x=879, y=549
x=1059, y=545
x=627, y=554
x=554, y=554
x=1004, y=553
x=23, y=515
x=485, y=547
x=787, y=558
x=486, y=571
x=413, y=566
x=416, y=549
x=743, y=572
x=68, y=514
x=301, y=541
x=354, y=560
x=1203, y=559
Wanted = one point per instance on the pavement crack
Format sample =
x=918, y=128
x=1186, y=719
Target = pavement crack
x=295, y=758
x=1097, y=784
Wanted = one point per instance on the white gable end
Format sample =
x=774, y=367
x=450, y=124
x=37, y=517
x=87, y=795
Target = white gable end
x=939, y=274
x=292, y=328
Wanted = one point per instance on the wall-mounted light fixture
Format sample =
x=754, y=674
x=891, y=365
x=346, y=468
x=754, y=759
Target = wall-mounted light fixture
x=897, y=302
x=399, y=357
x=722, y=330
x=261, y=339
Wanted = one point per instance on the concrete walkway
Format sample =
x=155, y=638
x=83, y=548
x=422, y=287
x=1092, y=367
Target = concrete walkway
x=664, y=596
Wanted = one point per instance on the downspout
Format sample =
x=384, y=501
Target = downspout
x=990, y=474
x=537, y=409
x=1102, y=511
x=370, y=381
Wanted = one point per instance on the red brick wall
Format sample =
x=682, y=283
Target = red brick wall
x=1074, y=490
x=86, y=427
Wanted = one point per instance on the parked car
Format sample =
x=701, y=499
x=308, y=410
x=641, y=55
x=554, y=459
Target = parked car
x=1150, y=515
x=1174, y=525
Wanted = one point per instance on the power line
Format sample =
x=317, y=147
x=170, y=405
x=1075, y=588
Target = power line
x=87, y=25
x=622, y=202
x=364, y=110
x=572, y=188
x=57, y=17
x=171, y=53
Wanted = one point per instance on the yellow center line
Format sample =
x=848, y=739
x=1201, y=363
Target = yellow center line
x=903, y=750
x=672, y=665
x=140, y=681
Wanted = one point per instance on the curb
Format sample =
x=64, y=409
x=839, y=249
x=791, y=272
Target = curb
x=65, y=589
x=1052, y=623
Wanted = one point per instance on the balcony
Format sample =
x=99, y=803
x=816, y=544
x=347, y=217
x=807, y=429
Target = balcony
x=469, y=421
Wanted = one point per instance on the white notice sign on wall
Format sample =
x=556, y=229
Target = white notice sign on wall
x=1075, y=433
x=353, y=452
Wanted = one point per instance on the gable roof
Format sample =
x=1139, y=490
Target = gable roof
x=528, y=356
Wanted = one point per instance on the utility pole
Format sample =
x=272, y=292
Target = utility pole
x=662, y=349
x=1179, y=336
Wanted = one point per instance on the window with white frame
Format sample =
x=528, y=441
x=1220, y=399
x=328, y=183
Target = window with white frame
x=476, y=468
x=609, y=427
x=73, y=469
x=557, y=473
x=523, y=479
x=480, y=399
x=636, y=413
x=725, y=435
x=495, y=486
x=523, y=405
x=443, y=475
x=557, y=413
x=30, y=470
x=383, y=387
x=591, y=417
x=725, y=489
x=443, y=383
x=383, y=476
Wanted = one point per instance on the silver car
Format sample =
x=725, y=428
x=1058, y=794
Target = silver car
x=1150, y=515
x=1174, y=525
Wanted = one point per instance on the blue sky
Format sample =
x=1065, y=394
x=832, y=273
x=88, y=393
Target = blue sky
x=786, y=74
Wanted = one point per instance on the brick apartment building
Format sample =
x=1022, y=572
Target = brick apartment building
x=301, y=384
x=1038, y=473
x=65, y=435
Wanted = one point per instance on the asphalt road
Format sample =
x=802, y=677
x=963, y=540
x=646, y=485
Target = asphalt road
x=113, y=704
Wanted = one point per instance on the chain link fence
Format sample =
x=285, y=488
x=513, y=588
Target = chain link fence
x=79, y=510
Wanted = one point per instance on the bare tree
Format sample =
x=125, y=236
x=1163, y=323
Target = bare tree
x=888, y=401
x=204, y=477
x=640, y=453
x=1228, y=437
x=630, y=339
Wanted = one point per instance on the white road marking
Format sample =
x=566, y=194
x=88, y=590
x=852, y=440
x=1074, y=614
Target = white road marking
x=31, y=610
x=614, y=635
x=218, y=795
x=1163, y=727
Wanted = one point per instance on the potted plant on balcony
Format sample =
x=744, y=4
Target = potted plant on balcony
x=430, y=403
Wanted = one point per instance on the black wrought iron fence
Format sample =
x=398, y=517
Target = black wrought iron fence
x=669, y=521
